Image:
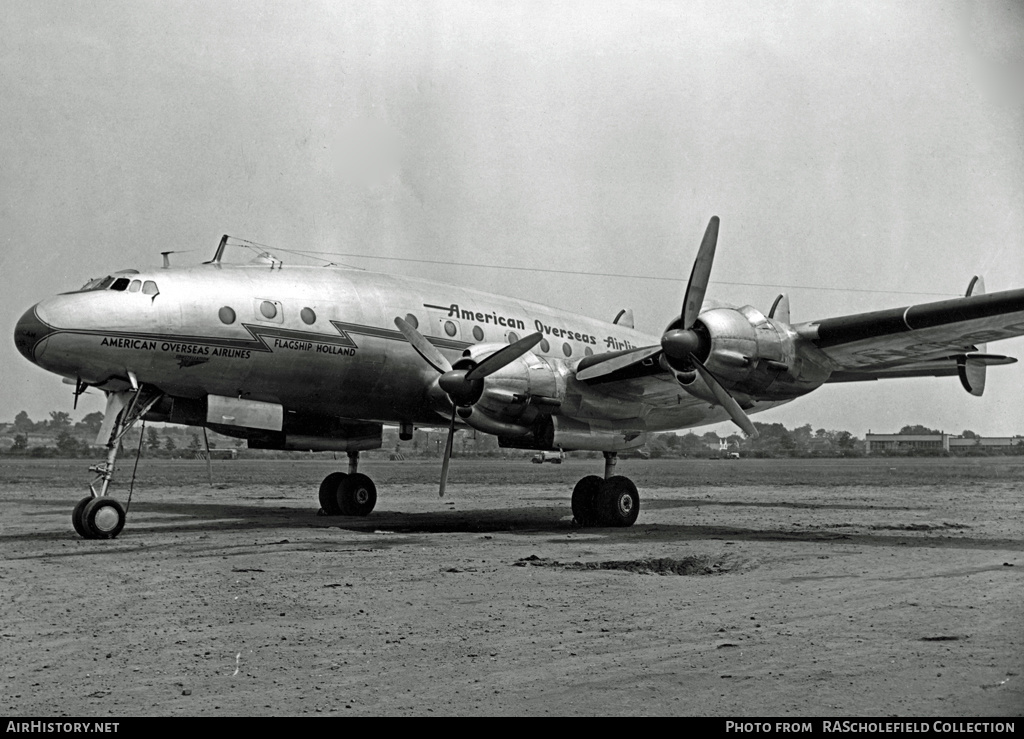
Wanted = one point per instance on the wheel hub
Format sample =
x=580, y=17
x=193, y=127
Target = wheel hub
x=362, y=496
x=106, y=518
x=625, y=504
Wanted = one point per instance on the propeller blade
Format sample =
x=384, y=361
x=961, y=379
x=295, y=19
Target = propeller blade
x=725, y=400
x=616, y=363
x=423, y=347
x=701, y=274
x=447, y=455
x=505, y=355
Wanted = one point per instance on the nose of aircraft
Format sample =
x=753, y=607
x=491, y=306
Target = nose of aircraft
x=28, y=332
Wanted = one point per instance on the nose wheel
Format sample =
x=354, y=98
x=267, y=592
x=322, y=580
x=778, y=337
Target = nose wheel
x=98, y=518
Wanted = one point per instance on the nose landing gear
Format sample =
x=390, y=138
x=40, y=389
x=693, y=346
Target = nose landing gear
x=100, y=516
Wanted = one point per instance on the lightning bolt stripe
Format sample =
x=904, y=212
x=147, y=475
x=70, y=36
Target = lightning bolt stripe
x=262, y=336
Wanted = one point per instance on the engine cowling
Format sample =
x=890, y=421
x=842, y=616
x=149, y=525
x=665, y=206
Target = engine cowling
x=752, y=354
x=513, y=398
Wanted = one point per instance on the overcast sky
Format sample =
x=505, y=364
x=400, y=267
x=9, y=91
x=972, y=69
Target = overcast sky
x=861, y=155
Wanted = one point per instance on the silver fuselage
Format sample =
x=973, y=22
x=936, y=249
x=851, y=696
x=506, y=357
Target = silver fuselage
x=323, y=341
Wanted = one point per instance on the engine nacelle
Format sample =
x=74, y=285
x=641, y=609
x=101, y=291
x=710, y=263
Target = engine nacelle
x=516, y=396
x=753, y=354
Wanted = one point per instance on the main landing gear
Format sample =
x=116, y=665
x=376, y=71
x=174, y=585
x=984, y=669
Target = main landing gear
x=613, y=501
x=98, y=515
x=351, y=494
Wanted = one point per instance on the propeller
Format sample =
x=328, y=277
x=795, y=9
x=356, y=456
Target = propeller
x=463, y=386
x=684, y=343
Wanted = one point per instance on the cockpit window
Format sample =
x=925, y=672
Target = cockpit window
x=120, y=284
x=100, y=283
x=135, y=286
x=149, y=288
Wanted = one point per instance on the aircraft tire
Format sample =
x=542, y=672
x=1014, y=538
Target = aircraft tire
x=357, y=495
x=103, y=518
x=76, y=517
x=618, y=502
x=329, y=493
x=584, y=500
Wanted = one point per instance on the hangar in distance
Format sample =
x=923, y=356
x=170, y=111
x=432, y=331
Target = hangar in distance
x=320, y=358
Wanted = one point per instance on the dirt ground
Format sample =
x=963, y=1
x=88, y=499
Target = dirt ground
x=746, y=588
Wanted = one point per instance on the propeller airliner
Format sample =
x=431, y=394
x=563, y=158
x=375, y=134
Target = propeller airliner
x=321, y=358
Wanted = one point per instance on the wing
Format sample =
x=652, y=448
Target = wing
x=931, y=339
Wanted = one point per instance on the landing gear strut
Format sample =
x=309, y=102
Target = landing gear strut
x=351, y=494
x=613, y=501
x=99, y=516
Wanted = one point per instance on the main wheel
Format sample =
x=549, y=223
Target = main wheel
x=76, y=518
x=584, y=500
x=103, y=518
x=329, y=493
x=357, y=495
x=618, y=502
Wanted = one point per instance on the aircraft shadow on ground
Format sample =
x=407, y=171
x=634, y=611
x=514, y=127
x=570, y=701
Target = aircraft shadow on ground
x=146, y=519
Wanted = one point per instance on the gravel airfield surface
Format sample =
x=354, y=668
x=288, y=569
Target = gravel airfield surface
x=831, y=588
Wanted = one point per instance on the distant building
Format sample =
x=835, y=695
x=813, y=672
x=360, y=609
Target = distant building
x=875, y=443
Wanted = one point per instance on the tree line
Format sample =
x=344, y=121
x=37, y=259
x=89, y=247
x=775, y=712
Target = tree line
x=58, y=436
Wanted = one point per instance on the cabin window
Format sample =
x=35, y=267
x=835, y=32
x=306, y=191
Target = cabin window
x=412, y=320
x=120, y=284
x=544, y=345
x=149, y=288
x=227, y=315
x=450, y=328
x=478, y=333
x=588, y=352
x=135, y=286
x=308, y=316
x=268, y=310
x=566, y=349
x=513, y=337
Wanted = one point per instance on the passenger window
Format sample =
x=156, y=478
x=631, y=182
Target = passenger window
x=545, y=346
x=269, y=310
x=566, y=349
x=135, y=286
x=478, y=333
x=513, y=337
x=149, y=288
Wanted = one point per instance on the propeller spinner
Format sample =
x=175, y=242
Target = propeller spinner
x=463, y=386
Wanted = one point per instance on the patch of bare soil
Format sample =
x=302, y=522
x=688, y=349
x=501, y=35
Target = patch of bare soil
x=832, y=588
x=695, y=565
